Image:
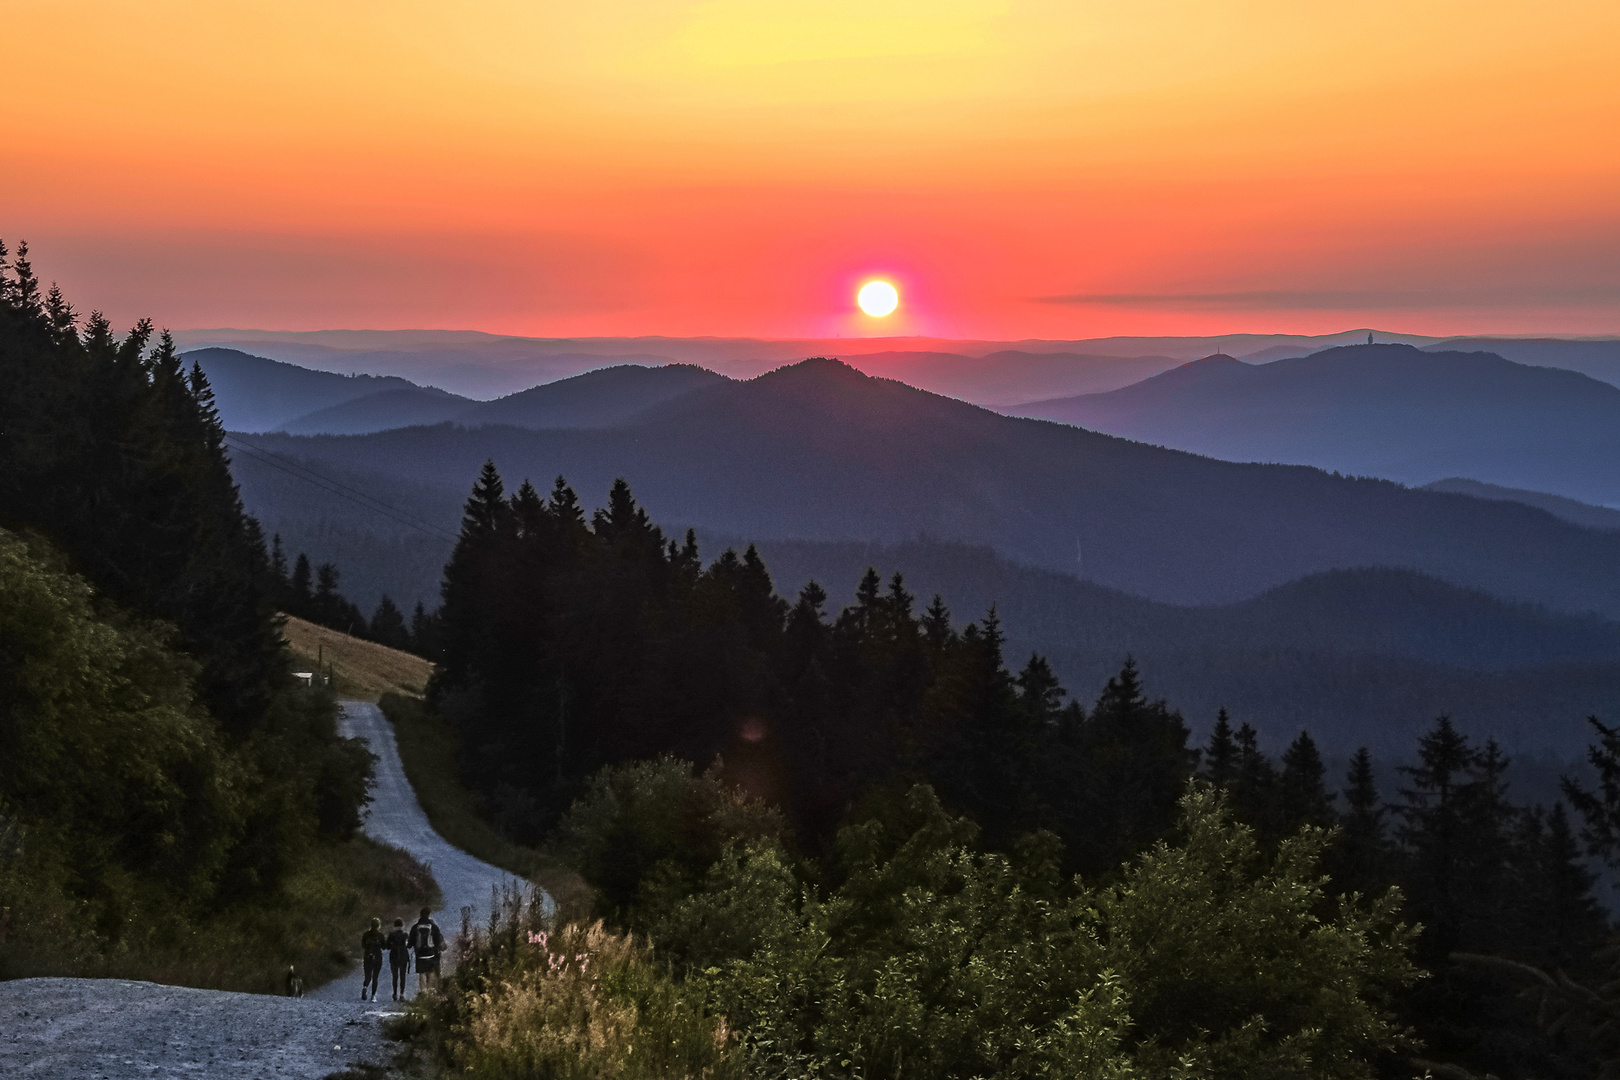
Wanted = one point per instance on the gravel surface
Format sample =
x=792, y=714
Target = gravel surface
x=119, y=1030
x=395, y=817
x=93, y=1028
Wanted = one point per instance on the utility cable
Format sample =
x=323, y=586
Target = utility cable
x=338, y=488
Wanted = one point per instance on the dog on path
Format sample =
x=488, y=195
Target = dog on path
x=295, y=983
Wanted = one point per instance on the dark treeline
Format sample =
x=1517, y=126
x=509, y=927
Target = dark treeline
x=570, y=643
x=113, y=471
x=574, y=641
x=313, y=595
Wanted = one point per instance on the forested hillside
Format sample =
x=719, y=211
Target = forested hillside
x=819, y=451
x=1363, y=657
x=160, y=770
x=885, y=782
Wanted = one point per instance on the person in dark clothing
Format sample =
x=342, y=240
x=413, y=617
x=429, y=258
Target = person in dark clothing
x=428, y=943
x=371, y=953
x=399, y=957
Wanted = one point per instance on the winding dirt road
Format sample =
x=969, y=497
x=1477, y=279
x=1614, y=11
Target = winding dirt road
x=395, y=817
x=121, y=1030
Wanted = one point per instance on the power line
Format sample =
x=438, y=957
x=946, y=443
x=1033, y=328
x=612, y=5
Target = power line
x=338, y=488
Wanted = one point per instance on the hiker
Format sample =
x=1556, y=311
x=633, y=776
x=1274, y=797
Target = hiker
x=399, y=958
x=428, y=943
x=371, y=952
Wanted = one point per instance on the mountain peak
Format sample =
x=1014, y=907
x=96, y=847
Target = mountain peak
x=820, y=369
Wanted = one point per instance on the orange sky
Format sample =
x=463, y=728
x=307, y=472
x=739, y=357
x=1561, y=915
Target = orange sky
x=1046, y=168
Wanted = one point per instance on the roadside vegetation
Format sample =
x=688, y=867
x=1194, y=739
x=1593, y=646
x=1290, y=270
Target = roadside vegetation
x=125, y=811
x=173, y=804
x=908, y=857
x=911, y=950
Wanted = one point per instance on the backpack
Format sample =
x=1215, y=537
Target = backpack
x=426, y=938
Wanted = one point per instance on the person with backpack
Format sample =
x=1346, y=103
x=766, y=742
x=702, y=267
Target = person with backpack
x=371, y=953
x=428, y=943
x=399, y=958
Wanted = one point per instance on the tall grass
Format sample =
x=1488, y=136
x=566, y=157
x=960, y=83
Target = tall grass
x=363, y=669
x=532, y=999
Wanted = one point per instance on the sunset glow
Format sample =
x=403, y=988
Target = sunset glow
x=878, y=298
x=1037, y=168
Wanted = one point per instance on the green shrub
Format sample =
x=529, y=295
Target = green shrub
x=1208, y=958
x=656, y=827
x=119, y=775
x=137, y=839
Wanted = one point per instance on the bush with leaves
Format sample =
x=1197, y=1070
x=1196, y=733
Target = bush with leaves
x=1206, y=957
x=120, y=776
x=650, y=828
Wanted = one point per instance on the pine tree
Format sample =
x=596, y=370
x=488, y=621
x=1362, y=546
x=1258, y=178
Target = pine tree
x=1039, y=689
x=1600, y=809
x=1135, y=763
x=1364, y=815
x=300, y=586
x=278, y=565
x=1302, y=791
x=1220, y=757
x=113, y=450
x=25, y=286
x=1254, y=789
x=1363, y=860
x=388, y=625
x=424, y=633
x=936, y=623
x=327, y=603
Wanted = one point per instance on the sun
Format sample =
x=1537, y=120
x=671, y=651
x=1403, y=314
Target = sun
x=877, y=298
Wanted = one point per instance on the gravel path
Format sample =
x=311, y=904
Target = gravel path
x=68, y=1029
x=120, y=1030
x=395, y=817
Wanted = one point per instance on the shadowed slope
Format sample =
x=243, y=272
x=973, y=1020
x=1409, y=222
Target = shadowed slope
x=596, y=399
x=819, y=451
x=1378, y=410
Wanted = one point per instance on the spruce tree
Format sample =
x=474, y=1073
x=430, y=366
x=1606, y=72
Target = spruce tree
x=278, y=567
x=299, y=587
x=1220, y=758
x=936, y=623
x=424, y=633
x=1302, y=791
x=1039, y=689
x=1254, y=788
x=1600, y=809
x=1363, y=859
x=1136, y=763
x=388, y=625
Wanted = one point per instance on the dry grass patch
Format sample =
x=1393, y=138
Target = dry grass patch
x=363, y=669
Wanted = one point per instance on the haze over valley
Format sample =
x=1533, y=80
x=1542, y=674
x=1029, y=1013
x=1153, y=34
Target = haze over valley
x=1403, y=599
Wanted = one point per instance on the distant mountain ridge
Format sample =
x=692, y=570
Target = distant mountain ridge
x=1593, y=517
x=483, y=366
x=600, y=398
x=818, y=451
x=254, y=393
x=1391, y=411
x=257, y=394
